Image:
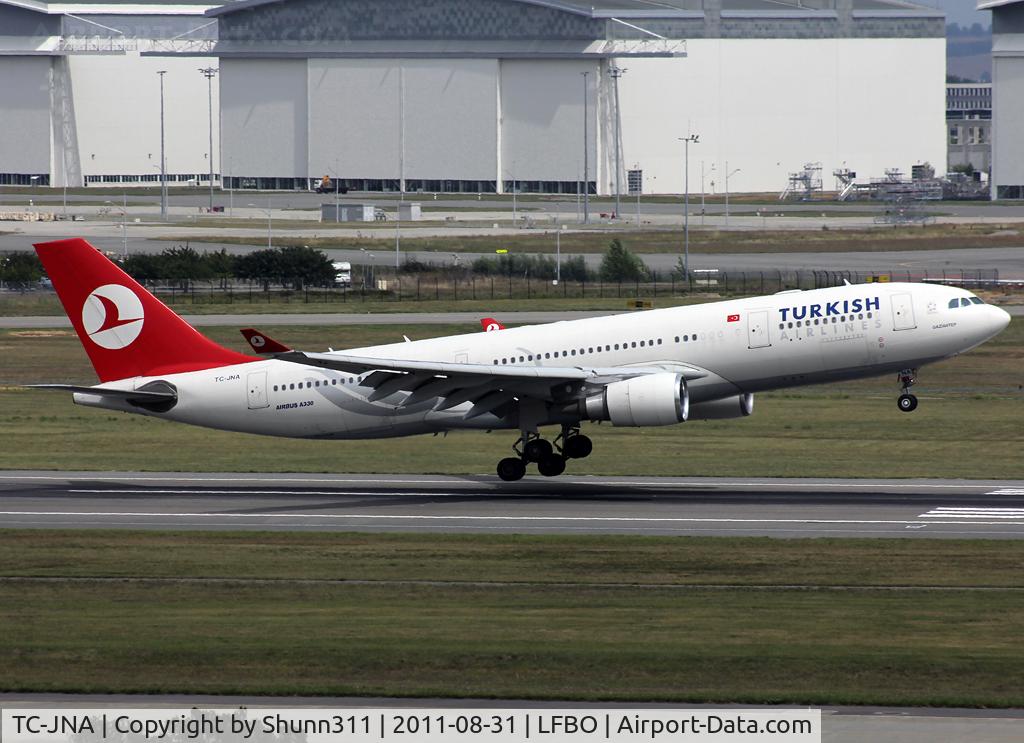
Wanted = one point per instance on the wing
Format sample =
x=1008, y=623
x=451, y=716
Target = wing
x=487, y=386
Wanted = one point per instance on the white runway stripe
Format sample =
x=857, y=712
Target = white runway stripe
x=1007, y=491
x=968, y=512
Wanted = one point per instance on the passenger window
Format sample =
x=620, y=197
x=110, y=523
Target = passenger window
x=634, y=344
x=641, y=344
x=291, y=386
x=616, y=346
x=574, y=352
x=659, y=341
x=547, y=355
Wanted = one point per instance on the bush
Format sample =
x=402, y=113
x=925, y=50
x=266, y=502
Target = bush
x=619, y=264
x=20, y=270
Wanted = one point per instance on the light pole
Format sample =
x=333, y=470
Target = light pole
x=702, y=189
x=124, y=223
x=586, y=154
x=727, y=176
x=695, y=138
x=208, y=73
x=558, y=254
x=268, y=211
x=616, y=72
x=638, y=188
x=163, y=158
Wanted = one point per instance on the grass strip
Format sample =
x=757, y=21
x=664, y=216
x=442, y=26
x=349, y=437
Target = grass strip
x=567, y=641
x=534, y=559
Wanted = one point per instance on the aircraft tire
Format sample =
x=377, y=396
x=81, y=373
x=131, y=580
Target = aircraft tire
x=536, y=449
x=511, y=469
x=551, y=465
x=907, y=403
x=578, y=447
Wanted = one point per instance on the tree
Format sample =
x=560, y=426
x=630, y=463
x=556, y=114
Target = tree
x=20, y=270
x=619, y=264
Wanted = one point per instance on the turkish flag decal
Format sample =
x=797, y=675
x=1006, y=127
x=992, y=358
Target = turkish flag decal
x=733, y=318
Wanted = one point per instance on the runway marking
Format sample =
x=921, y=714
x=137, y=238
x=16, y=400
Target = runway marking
x=192, y=491
x=1007, y=491
x=458, y=517
x=965, y=512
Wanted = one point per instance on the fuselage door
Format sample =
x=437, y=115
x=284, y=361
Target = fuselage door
x=757, y=329
x=256, y=390
x=902, y=312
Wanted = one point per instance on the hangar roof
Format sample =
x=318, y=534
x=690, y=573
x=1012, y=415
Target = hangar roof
x=675, y=8
x=114, y=7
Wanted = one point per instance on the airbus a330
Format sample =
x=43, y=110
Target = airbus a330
x=655, y=368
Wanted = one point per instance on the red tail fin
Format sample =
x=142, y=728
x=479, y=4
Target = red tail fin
x=489, y=324
x=126, y=331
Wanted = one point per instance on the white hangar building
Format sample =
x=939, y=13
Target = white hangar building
x=80, y=98
x=478, y=95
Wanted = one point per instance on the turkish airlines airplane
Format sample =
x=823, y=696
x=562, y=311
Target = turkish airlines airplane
x=655, y=368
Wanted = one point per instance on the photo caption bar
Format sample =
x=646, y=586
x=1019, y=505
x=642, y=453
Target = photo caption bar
x=430, y=725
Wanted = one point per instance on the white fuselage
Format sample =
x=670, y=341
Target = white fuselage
x=744, y=346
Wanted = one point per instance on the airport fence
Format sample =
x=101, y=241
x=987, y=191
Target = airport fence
x=381, y=286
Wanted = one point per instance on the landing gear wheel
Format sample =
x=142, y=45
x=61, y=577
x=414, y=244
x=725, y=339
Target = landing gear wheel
x=577, y=447
x=551, y=465
x=511, y=469
x=535, y=450
x=907, y=403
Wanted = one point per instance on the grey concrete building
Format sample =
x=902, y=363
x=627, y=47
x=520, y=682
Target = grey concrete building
x=1007, y=97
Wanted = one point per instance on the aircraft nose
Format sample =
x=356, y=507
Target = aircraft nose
x=1000, y=319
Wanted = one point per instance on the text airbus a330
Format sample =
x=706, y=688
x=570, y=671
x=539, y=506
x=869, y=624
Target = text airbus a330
x=656, y=368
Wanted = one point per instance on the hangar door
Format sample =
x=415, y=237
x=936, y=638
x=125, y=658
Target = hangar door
x=357, y=106
x=542, y=119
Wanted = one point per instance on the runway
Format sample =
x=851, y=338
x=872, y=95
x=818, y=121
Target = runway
x=482, y=504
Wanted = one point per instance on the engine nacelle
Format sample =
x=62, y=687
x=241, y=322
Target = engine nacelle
x=651, y=400
x=737, y=406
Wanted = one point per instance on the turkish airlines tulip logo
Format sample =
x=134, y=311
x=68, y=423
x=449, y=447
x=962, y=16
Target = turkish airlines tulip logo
x=112, y=316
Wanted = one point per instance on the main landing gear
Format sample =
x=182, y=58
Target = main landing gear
x=549, y=458
x=906, y=401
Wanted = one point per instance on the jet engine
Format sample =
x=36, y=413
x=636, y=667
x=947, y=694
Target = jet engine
x=737, y=406
x=651, y=400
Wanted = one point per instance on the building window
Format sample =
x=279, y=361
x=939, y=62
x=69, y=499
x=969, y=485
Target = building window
x=954, y=135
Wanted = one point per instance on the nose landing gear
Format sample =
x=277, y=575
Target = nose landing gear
x=906, y=401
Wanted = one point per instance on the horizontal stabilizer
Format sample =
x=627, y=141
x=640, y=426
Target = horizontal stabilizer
x=148, y=396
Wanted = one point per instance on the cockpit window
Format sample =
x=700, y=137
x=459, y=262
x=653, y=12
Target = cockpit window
x=954, y=303
x=976, y=300
x=965, y=302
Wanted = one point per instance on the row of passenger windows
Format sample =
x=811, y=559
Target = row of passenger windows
x=964, y=302
x=823, y=321
x=317, y=383
x=588, y=350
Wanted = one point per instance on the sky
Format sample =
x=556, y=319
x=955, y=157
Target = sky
x=961, y=11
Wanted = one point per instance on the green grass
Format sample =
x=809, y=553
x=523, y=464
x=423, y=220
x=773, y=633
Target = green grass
x=968, y=425
x=886, y=643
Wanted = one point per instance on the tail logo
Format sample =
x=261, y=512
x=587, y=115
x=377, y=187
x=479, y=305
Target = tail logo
x=258, y=341
x=112, y=316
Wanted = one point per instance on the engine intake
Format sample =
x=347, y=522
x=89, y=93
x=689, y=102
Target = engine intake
x=651, y=400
